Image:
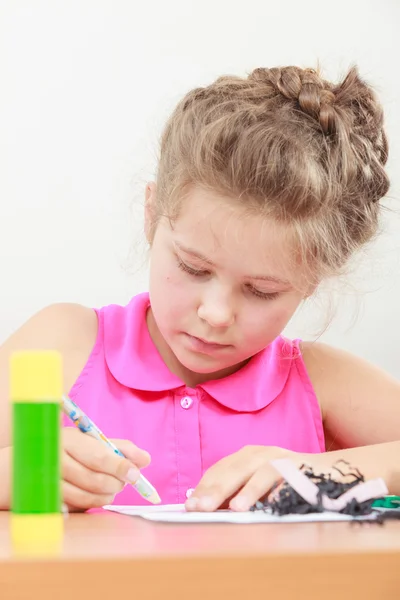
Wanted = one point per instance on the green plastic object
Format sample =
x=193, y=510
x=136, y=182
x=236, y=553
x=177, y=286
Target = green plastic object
x=391, y=502
x=36, y=458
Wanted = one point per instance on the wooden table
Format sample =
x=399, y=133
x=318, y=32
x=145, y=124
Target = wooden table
x=111, y=556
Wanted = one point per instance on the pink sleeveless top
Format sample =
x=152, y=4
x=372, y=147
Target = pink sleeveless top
x=128, y=391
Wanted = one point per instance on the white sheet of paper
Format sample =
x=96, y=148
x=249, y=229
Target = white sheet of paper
x=176, y=513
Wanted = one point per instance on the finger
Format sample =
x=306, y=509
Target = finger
x=258, y=486
x=96, y=456
x=77, y=499
x=91, y=481
x=218, y=484
x=136, y=455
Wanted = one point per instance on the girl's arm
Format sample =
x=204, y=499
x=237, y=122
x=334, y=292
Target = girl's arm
x=360, y=406
x=360, y=403
x=68, y=328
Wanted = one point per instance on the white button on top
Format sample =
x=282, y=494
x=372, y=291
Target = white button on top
x=186, y=402
x=189, y=492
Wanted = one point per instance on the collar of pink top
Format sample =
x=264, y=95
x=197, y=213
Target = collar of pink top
x=134, y=361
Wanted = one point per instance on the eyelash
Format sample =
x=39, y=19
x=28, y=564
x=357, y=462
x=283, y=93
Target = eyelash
x=198, y=273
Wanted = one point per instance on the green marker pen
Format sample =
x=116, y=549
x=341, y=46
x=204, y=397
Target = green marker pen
x=36, y=391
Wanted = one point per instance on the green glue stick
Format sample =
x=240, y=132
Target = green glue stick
x=36, y=505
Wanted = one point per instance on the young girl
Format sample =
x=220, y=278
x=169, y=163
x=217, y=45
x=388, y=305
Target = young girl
x=265, y=186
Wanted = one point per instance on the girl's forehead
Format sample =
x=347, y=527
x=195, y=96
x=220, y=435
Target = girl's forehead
x=222, y=222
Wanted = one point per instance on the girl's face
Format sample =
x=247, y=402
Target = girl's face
x=223, y=285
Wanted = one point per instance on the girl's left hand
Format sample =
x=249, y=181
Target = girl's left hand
x=241, y=478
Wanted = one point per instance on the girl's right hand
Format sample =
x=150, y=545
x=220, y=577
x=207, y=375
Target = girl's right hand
x=92, y=474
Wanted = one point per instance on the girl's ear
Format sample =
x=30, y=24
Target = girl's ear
x=149, y=210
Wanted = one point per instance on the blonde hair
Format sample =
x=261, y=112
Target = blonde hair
x=305, y=152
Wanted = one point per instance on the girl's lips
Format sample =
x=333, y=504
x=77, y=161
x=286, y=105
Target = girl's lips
x=201, y=345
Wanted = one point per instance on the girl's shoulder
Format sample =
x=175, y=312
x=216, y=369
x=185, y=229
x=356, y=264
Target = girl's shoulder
x=71, y=329
x=355, y=396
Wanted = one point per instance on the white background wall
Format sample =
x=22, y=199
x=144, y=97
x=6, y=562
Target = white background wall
x=85, y=88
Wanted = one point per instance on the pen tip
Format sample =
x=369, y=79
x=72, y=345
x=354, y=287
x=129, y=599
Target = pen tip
x=154, y=498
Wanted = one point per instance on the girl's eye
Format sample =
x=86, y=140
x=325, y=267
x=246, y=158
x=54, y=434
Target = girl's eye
x=203, y=273
x=263, y=295
x=195, y=272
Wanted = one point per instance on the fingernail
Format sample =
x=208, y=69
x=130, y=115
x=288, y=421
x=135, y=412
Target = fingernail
x=207, y=503
x=191, y=503
x=240, y=503
x=132, y=475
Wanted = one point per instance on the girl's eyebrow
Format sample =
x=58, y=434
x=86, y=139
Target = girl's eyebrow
x=208, y=261
x=195, y=254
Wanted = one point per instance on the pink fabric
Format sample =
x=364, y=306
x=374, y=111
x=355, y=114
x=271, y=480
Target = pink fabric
x=129, y=393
